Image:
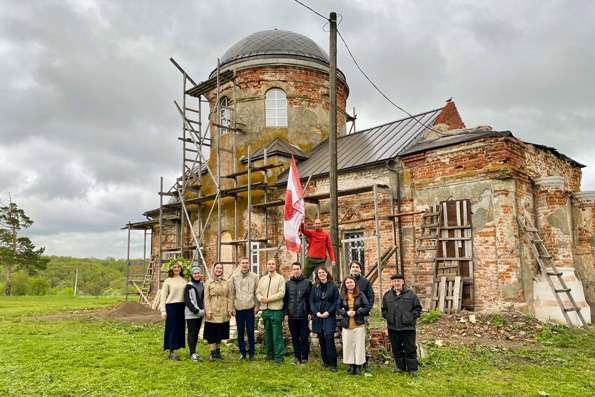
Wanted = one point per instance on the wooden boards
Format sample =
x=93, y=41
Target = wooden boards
x=448, y=294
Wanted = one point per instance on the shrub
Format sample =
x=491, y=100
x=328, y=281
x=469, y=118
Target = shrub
x=20, y=281
x=430, y=316
x=38, y=285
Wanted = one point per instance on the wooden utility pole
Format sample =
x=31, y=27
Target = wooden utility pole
x=76, y=281
x=332, y=140
x=127, y=264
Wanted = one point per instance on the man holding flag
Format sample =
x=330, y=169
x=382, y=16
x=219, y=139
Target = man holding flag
x=319, y=241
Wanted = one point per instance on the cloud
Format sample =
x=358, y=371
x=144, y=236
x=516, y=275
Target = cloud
x=88, y=125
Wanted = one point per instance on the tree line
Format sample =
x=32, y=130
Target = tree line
x=27, y=271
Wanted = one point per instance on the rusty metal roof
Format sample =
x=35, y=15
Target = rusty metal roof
x=373, y=145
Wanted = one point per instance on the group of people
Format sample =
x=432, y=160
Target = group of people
x=305, y=307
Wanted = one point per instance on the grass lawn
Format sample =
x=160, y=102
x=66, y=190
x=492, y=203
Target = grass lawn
x=93, y=356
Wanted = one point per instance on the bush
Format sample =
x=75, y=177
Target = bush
x=430, y=316
x=38, y=285
x=20, y=281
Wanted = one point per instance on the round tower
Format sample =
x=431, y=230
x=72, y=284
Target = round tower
x=273, y=93
x=280, y=90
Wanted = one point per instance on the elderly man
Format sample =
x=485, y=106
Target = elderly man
x=243, y=291
x=270, y=294
x=401, y=309
x=319, y=244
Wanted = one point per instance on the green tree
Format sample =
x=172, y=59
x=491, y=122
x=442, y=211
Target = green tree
x=17, y=253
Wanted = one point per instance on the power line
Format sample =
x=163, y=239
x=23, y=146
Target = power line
x=361, y=70
x=311, y=9
x=357, y=65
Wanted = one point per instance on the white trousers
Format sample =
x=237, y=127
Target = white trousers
x=354, y=345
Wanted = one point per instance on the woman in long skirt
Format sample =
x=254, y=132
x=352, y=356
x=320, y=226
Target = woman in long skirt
x=218, y=310
x=354, y=307
x=172, y=310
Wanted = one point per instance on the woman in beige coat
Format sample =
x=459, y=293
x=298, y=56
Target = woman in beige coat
x=218, y=309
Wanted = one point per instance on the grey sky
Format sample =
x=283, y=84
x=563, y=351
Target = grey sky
x=88, y=125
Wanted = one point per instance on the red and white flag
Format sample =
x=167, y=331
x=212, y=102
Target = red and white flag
x=293, y=214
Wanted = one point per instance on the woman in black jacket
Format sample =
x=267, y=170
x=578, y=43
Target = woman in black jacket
x=194, y=311
x=323, y=305
x=353, y=307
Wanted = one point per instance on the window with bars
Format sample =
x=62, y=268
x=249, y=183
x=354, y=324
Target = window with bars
x=255, y=256
x=276, y=108
x=355, y=249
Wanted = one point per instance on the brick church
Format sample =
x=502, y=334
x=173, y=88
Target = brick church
x=425, y=195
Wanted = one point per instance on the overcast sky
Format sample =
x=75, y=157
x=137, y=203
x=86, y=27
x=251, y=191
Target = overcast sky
x=88, y=125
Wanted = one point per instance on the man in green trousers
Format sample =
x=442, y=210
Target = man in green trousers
x=270, y=293
x=319, y=246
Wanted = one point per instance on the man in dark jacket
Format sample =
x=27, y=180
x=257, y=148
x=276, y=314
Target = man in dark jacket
x=364, y=285
x=366, y=288
x=296, y=301
x=401, y=309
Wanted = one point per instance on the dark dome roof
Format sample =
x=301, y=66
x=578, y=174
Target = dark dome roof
x=275, y=43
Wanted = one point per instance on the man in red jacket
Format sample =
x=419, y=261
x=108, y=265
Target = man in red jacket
x=319, y=243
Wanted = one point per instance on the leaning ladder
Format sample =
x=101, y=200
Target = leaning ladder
x=548, y=267
x=425, y=249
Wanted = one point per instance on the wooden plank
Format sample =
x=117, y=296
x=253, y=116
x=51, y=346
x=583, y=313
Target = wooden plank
x=141, y=293
x=442, y=294
x=457, y=294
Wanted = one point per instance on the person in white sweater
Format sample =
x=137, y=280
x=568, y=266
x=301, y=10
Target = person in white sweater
x=172, y=310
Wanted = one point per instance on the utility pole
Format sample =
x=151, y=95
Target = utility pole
x=76, y=281
x=332, y=140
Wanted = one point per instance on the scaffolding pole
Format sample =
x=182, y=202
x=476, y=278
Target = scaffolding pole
x=377, y=228
x=249, y=234
x=160, y=233
x=217, y=118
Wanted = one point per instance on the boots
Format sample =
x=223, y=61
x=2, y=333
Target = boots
x=356, y=369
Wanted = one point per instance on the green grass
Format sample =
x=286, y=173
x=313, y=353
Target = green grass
x=91, y=356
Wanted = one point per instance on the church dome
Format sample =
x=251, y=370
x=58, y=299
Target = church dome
x=275, y=44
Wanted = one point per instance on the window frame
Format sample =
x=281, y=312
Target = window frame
x=275, y=108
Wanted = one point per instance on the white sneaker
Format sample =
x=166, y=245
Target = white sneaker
x=194, y=357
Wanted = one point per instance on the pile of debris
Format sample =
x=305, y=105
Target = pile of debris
x=502, y=329
x=133, y=312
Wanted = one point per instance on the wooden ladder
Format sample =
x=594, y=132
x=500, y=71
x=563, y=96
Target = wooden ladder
x=425, y=249
x=548, y=268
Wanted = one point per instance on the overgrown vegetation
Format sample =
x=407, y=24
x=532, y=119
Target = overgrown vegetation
x=92, y=356
x=430, y=316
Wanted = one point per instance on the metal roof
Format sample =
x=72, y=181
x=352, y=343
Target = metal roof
x=277, y=147
x=373, y=145
x=275, y=42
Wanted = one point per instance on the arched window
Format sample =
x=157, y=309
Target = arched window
x=224, y=113
x=276, y=108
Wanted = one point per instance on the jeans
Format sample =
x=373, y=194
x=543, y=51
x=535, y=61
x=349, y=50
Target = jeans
x=193, y=329
x=273, y=334
x=299, y=338
x=328, y=350
x=404, y=349
x=245, y=321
